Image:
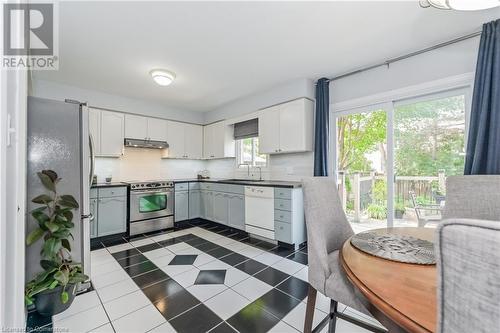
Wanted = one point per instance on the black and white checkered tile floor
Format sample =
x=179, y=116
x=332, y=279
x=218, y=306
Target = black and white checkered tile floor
x=196, y=280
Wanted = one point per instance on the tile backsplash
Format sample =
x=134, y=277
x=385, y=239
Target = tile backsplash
x=139, y=164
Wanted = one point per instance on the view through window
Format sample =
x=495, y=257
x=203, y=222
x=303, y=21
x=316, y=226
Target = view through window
x=248, y=153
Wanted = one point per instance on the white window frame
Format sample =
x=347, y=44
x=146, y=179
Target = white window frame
x=240, y=165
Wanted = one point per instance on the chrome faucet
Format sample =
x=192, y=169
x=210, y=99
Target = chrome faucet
x=248, y=168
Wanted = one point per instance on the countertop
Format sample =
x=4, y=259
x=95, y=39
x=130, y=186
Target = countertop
x=112, y=184
x=266, y=183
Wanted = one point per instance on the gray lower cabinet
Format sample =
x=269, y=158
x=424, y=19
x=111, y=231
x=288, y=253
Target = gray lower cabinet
x=221, y=207
x=108, y=207
x=207, y=205
x=112, y=216
x=194, y=204
x=236, y=214
x=181, y=211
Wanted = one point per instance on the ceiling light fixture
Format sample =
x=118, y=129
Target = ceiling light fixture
x=162, y=77
x=460, y=4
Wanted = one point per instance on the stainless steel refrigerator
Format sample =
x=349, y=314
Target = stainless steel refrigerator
x=58, y=139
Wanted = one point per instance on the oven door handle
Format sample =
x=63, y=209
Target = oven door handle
x=151, y=192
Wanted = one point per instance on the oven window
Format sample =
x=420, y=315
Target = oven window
x=152, y=203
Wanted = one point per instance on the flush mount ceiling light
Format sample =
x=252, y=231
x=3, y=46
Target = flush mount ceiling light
x=162, y=77
x=460, y=4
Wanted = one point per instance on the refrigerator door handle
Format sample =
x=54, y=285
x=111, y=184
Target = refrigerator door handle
x=92, y=158
x=88, y=216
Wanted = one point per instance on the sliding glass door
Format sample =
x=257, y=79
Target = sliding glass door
x=392, y=160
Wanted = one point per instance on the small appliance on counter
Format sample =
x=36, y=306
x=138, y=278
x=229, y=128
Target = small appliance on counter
x=203, y=174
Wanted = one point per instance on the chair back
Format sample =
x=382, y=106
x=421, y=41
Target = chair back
x=473, y=197
x=327, y=226
x=413, y=199
x=468, y=266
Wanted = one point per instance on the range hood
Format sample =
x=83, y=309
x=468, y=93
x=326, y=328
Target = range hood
x=138, y=143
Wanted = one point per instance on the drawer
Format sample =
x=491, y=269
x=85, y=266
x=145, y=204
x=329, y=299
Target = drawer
x=283, y=204
x=194, y=186
x=206, y=186
x=282, y=216
x=181, y=186
x=236, y=189
x=283, y=232
x=93, y=193
x=282, y=193
x=113, y=192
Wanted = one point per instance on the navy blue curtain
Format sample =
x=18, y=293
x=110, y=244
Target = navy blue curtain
x=321, y=127
x=483, y=146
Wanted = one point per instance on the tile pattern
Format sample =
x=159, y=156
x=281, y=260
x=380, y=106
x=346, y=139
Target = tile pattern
x=205, y=278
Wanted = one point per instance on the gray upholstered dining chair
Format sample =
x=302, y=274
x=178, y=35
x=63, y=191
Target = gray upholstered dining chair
x=473, y=197
x=468, y=265
x=327, y=230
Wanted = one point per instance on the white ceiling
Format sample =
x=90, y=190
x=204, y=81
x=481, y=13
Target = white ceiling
x=226, y=50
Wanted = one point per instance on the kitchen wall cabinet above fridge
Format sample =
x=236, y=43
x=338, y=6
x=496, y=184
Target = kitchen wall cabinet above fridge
x=287, y=127
x=106, y=129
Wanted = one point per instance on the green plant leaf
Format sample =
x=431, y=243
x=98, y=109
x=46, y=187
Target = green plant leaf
x=42, y=199
x=53, y=284
x=51, y=247
x=47, y=181
x=53, y=227
x=34, y=235
x=41, y=218
x=68, y=201
x=65, y=243
x=68, y=215
x=51, y=173
x=62, y=277
x=64, y=297
x=48, y=264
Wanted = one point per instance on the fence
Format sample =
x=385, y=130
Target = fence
x=362, y=189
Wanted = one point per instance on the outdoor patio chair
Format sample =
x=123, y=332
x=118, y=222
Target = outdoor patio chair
x=425, y=212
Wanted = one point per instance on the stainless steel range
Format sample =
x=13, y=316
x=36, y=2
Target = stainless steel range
x=151, y=206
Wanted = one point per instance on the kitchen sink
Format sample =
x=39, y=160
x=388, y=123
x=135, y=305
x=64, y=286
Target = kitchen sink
x=242, y=180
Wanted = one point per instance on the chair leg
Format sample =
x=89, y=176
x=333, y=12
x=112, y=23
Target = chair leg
x=311, y=302
x=332, y=324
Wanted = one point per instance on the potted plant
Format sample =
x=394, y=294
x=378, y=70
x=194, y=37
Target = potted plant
x=53, y=290
x=399, y=210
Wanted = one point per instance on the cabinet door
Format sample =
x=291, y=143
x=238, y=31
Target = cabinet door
x=194, y=204
x=237, y=211
x=157, y=129
x=95, y=129
x=112, y=214
x=203, y=195
x=221, y=207
x=208, y=205
x=292, y=125
x=175, y=139
x=111, y=133
x=193, y=138
x=218, y=140
x=208, y=141
x=95, y=220
x=136, y=127
x=269, y=135
x=181, y=206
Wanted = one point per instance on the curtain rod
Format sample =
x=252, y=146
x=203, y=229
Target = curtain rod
x=406, y=56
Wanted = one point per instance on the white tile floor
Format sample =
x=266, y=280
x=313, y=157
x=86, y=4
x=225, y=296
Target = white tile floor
x=119, y=305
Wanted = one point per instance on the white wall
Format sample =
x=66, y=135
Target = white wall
x=448, y=61
x=57, y=91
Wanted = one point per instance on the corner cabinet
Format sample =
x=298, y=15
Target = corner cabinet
x=107, y=131
x=184, y=140
x=287, y=127
x=218, y=141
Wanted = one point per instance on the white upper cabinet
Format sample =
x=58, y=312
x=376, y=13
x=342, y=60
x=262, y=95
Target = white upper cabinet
x=136, y=127
x=218, y=141
x=184, y=140
x=106, y=129
x=157, y=129
x=286, y=128
x=145, y=128
x=193, y=141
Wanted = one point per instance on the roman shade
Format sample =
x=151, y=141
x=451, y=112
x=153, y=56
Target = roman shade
x=246, y=129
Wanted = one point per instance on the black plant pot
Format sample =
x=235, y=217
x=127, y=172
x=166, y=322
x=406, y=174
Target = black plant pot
x=48, y=303
x=399, y=214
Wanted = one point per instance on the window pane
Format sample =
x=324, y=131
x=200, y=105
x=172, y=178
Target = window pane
x=246, y=151
x=260, y=159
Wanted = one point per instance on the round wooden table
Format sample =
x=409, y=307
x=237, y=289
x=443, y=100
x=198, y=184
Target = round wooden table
x=400, y=294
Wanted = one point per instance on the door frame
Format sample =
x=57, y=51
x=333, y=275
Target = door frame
x=388, y=101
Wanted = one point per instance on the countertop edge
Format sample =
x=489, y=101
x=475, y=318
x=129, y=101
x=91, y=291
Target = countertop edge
x=265, y=183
